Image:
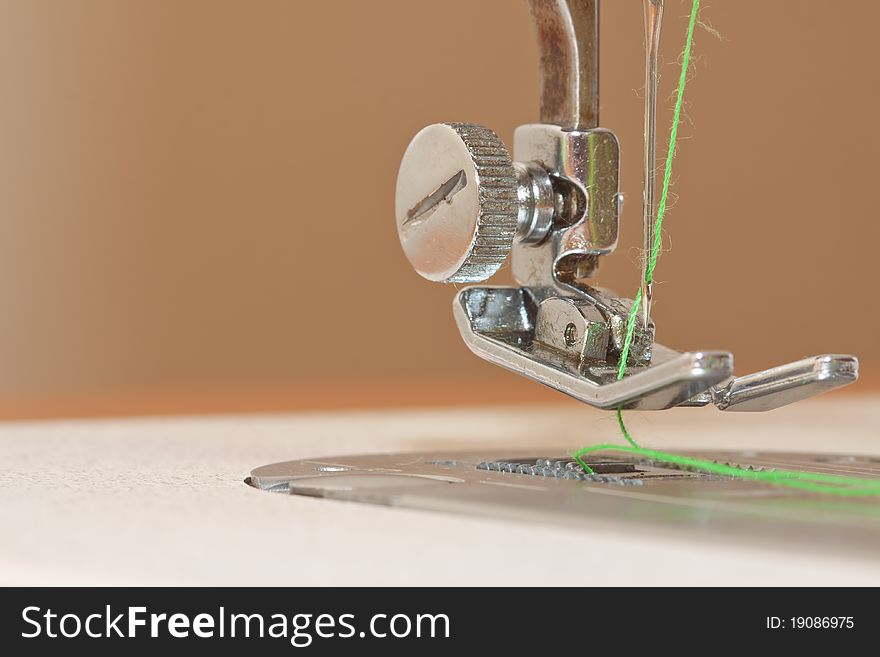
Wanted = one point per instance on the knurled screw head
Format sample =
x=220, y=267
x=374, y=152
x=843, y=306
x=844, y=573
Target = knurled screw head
x=456, y=203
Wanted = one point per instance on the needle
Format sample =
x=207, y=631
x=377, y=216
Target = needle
x=653, y=19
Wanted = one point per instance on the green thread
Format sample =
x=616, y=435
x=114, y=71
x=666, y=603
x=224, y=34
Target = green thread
x=801, y=480
x=673, y=139
x=630, y=327
x=664, y=194
x=623, y=428
x=815, y=482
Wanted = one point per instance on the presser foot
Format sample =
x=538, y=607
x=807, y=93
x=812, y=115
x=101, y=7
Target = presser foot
x=559, y=342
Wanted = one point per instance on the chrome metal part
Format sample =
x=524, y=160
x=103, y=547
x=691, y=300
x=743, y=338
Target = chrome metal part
x=513, y=328
x=597, y=317
x=786, y=384
x=456, y=202
x=628, y=494
x=499, y=325
x=573, y=326
x=584, y=167
x=568, y=45
x=462, y=205
x=536, y=199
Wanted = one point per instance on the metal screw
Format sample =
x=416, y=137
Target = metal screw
x=570, y=334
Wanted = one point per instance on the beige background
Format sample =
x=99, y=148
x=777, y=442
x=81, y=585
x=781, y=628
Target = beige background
x=196, y=197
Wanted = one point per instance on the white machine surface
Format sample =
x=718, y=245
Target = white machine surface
x=163, y=502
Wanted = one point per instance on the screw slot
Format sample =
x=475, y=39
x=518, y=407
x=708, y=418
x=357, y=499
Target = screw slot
x=570, y=334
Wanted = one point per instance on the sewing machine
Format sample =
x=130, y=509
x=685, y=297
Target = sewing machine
x=463, y=205
x=482, y=495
